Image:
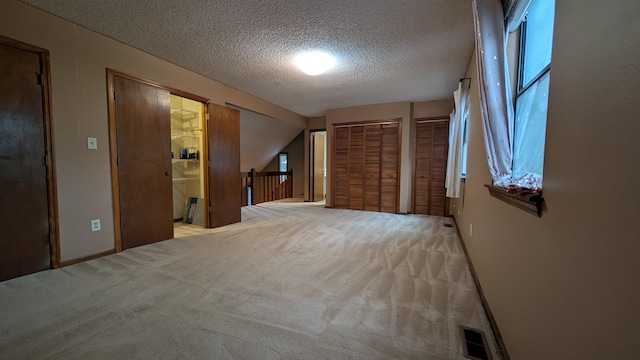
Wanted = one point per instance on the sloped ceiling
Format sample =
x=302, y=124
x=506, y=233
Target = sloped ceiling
x=261, y=139
x=387, y=50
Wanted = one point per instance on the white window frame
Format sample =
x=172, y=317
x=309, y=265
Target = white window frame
x=521, y=86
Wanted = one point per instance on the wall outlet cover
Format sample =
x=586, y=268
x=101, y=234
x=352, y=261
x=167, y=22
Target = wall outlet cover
x=95, y=225
x=92, y=143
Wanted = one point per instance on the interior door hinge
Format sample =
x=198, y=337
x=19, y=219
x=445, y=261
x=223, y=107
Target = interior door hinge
x=117, y=161
x=45, y=160
x=39, y=78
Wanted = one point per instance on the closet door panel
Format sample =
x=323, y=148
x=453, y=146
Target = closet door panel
x=430, y=164
x=422, y=181
x=439, y=168
x=356, y=168
x=365, y=166
x=372, y=162
x=341, y=168
x=389, y=168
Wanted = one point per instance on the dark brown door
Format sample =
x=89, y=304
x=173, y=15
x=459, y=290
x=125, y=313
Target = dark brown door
x=143, y=129
x=24, y=198
x=224, y=166
x=390, y=167
x=341, y=167
x=372, y=167
x=356, y=168
x=365, y=166
x=430, y=161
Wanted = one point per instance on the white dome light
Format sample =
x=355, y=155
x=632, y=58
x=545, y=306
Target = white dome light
x=314, y=62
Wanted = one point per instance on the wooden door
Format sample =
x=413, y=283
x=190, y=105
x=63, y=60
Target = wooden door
x=25, y=196
x=341, y=167
x=390, y=168
x=365, y=166
x=356, y=168
x=318, y=166
x=372, y=167
x=224, y=166
x=143, y=157
x=430, y=166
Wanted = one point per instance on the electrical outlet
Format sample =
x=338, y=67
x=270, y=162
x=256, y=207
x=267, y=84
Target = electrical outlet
x=92, y=143
x=470, y=230
x=95, y=225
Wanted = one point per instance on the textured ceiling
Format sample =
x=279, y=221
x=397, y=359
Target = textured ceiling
x=387, y=50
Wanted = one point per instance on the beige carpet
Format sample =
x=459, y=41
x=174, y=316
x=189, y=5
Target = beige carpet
x=292, y=281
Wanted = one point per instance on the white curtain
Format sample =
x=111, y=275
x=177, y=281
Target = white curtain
x=495, y=103
x=456, y=128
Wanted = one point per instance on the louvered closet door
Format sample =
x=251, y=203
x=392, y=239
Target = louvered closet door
x=341, y=168
x=389, y=168
x=430, y=163
x=372, y=158
x=356, y=168
x=365, y=166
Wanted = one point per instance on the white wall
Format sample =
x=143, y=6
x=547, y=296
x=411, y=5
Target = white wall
x=564, y=286
x=79, y=93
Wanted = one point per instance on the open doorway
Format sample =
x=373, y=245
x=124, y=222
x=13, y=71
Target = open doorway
x=187, y=167
x=318, y=173
x=147, y=147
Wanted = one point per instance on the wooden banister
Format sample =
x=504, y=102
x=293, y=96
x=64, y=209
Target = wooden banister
x=263, y=186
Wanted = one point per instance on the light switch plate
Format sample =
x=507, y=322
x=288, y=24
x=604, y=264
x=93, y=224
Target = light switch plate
x=95, y=225
x=92, y=143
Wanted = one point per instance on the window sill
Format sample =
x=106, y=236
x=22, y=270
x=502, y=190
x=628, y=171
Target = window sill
x=531, y=203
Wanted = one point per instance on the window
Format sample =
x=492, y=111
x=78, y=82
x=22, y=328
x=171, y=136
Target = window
x=465, y=138
x=283, y=163
x=536, y=36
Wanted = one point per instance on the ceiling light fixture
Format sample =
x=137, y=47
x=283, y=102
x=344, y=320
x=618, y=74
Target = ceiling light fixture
x=314, y=62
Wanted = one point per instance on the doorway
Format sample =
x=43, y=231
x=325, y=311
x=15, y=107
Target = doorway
x=28, y=210
x=187, y=167
x=318, y=169
x=207, y=152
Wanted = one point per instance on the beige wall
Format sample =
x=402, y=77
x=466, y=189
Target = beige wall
x=565, y=286
x=405, y=111
x=78, y=61
x=318, y=123
x=431, y=109
x=295, y=156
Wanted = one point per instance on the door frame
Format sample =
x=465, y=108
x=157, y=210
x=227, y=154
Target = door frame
x=414, y=157
x=311, y=162
x=113, y=144
x=49, y=148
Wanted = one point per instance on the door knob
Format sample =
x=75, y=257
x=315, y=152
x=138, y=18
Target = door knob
x=167, y=173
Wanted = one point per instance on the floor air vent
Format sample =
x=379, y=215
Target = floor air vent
x=448, y=225
x=474, y=344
